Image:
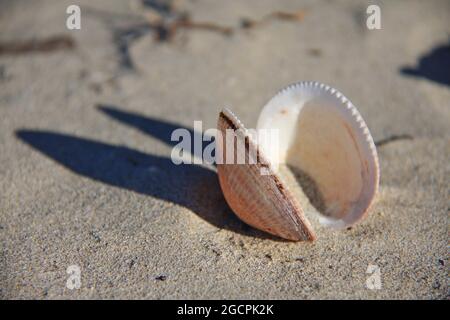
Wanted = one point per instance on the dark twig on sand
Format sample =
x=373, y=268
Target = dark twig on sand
x=247, y=23
x=61, y=42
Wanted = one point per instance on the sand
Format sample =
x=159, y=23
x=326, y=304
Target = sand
x=86, y=177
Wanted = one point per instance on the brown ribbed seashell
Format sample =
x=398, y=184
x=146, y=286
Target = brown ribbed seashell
x=323, y=135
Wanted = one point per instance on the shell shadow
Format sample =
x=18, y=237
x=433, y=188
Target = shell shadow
x=310, y=189
x=192, y=186
x=434, y=66
x=159, y=129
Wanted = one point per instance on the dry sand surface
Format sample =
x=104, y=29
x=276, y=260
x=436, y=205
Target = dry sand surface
x=86, y=177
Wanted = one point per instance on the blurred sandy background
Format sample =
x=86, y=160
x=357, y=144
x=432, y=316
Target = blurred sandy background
x=85, y=122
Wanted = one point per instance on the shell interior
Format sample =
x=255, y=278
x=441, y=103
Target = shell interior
x=327, y=146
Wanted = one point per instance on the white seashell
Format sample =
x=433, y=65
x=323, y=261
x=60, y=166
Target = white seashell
x=324, y=141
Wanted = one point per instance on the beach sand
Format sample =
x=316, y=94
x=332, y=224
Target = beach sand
x=86, y=177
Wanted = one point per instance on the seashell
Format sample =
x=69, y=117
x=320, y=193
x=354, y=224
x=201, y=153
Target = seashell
x=322, y=137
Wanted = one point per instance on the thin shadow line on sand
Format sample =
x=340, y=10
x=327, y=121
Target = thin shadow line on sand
x=192, y=186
